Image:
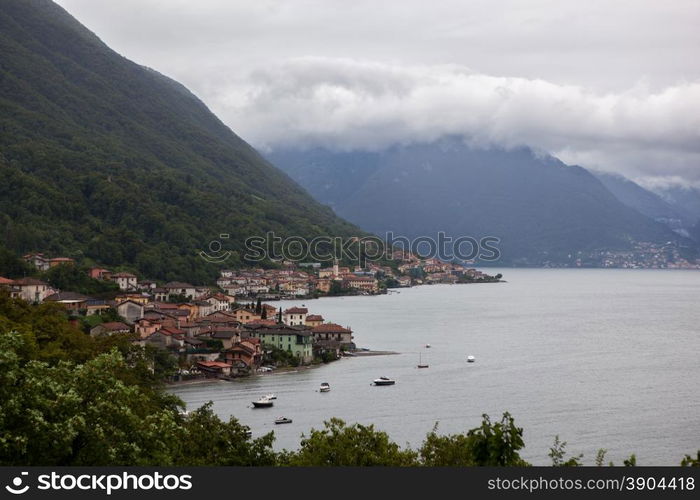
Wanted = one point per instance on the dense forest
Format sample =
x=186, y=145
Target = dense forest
x=106, y=161
x=67, y=398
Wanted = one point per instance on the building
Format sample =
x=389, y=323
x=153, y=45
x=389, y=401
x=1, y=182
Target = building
x=108, y=329
x=226, y=335
x=295, y=316
x=9, y=285
x=32, y=289
x=37, y=260
x=130, y=310
x=176, y=288
x=248, y=352
x=244, y=315
x=332, y=332
x=297, y=340
x=214, y=369
x=72, y=301
x=99, y=273
x=362, y=283
x=125, y=281
x=314, y=320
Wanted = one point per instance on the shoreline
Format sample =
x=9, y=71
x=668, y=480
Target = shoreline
x=281, y=371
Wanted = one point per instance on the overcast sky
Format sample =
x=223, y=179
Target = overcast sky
x=613, y=85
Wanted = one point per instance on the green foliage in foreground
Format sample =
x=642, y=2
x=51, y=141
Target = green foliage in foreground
x=68, y=399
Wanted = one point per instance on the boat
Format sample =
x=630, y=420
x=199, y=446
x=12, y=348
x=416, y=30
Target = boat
x=384, y=381
x=420, y=362
x=470, y=359
x=262, y=403
x=270, y=396
x=325, y=387
x=427, y=346
x=283, y=420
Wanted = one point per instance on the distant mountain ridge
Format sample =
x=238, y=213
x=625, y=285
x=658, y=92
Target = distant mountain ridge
x=109, y=161
x=646, y=202
x=540, y=208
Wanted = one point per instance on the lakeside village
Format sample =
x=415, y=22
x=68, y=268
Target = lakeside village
x=228, y=330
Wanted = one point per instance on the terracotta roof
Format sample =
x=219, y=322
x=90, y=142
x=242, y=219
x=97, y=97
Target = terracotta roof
x=29, y=282
x=6, y=281
x=269, y=322
x=296, y=310
x=177, y=284
x=330, y=328
x=213, y=364
x=314, y=317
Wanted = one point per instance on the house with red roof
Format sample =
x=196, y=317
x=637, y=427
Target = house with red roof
x=333, y=334
x=214, y=369
x=295, y=316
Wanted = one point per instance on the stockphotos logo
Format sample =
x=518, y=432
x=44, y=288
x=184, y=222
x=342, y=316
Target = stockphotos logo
x=105, y=483
x=16, y=487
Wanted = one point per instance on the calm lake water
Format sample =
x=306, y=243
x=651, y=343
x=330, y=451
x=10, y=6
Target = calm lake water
x=603, y=358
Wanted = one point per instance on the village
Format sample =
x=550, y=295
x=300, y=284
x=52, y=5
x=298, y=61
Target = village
x=229, y=330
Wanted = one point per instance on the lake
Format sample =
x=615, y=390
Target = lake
x=603, y=358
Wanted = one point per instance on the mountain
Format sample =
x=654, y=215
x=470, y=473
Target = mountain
x=684, y=199
x=540, y=208
x=114, y=163
x=650, y=204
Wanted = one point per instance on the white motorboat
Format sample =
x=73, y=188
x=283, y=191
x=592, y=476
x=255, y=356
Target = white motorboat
x=283, y=420
x=325, y=387
x=263, y=403
x=427, y=346
x=470, y=359
x=384, y=381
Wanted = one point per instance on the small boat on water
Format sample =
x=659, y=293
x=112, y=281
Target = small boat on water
x=325, y=387
x=263, y=403
x=270, y=396
x=283, y=420
x=420, y=362
x=470, y=359
x=427, y=346
x=384, y=381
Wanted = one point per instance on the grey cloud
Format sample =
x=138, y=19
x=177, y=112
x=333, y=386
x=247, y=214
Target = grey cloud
x=366, y=105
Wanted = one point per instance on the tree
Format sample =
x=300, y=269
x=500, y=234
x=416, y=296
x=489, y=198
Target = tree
x=351, y=446
x=558, y=453
x=488, y=445
x=689, y=461
x=93, y=414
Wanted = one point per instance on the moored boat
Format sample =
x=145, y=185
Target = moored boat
x=384, y=381
x=263, y=403
x=325, y=387
x=470, y=359
x=283, y=420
